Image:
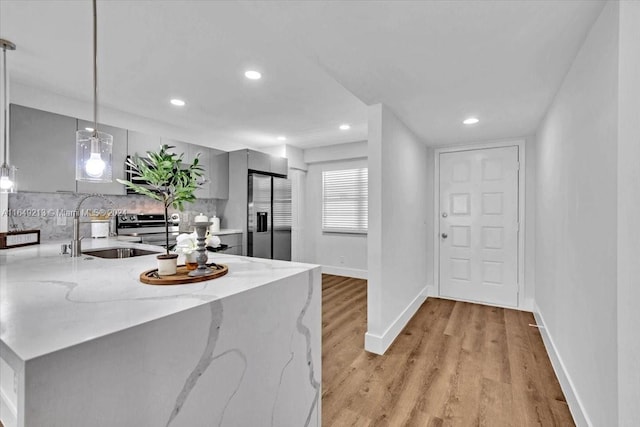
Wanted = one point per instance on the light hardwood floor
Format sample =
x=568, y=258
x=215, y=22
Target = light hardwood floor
x=455, y=364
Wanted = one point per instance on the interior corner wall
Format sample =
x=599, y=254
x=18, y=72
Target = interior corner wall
x=399, y=219
x=530, y=223
x=338, y=253
x=429, y=189
x=576, y=261
x=629, y=215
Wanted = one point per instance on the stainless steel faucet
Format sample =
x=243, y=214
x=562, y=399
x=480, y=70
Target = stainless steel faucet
x=76, y=243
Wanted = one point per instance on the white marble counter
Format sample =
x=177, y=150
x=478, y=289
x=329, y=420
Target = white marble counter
x=88, y=326
x=224, y=231
x=50, y=301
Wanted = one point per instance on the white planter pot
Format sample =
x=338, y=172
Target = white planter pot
x=167, y=264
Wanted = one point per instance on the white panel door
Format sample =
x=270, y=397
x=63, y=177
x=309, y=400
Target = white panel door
x=479, y=225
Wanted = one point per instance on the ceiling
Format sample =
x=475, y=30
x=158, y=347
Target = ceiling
x=150, y=52
x=433, y=63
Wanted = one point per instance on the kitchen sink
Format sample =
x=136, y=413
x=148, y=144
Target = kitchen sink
x=112, y=253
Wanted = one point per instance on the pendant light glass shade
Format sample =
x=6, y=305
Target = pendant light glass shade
x=94, y=156
x=8, y=182
x=93, y=148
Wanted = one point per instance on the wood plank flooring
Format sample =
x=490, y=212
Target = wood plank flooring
x=455, y=364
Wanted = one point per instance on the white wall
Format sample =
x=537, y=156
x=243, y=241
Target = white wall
x=400, y=215
x=344, y=254
x=629, y=216
x=296, y=157
x=576, y=242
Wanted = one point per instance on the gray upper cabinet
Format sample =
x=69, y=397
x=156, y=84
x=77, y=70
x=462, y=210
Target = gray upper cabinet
x=43, y=148
x=219, y=185
x=279, y=165
x=204, y=160
x=139, y=143
x=258, y=161
x=216, y=166
x=263, y=162
x=119, y=155
x=180, y=147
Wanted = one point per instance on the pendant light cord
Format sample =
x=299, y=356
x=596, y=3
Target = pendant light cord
x=5, y=44
x=95, y=69
x=5, y=107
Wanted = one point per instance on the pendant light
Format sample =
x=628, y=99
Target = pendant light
x=94, y=148
x=8, y=182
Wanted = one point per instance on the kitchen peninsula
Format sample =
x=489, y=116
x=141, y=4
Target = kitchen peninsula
x=84, y=343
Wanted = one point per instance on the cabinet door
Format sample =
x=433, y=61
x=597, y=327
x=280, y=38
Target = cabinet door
x=279, y=165
x=139, y=143
x=118, y=157
x=43, y=148
x=219, y=186
x=236, y=250
x=232, y=240
x=179, y=147
x=259, y=161
x=203, y=192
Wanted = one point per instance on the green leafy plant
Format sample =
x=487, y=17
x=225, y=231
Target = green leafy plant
x=167, y=179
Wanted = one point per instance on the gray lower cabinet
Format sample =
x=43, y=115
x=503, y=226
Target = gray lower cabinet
x=119, y=155
x=234, y=241
x=43, y=148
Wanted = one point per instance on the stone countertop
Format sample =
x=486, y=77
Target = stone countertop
x=224, y=231
x=50, y=301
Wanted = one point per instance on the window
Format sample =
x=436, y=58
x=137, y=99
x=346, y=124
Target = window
x=345, y=201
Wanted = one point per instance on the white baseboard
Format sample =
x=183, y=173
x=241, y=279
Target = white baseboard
x=576, y=407
x=430, y=291
x=347, y=272
x=378, y=344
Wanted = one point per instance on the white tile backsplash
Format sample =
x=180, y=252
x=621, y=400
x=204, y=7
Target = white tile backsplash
x=46, y=211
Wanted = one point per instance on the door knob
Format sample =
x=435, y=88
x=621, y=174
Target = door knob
x=445, y=235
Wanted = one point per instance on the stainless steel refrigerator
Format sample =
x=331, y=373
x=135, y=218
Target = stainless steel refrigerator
x=269, y=217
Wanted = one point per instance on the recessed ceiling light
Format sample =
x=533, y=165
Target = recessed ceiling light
x=281, y=138
x=471, y=121
x=89, y=129
x=252, y=75
x=345, y=127
x=178, y=102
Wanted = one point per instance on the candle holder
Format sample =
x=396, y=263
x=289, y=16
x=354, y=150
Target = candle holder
x=201, y=233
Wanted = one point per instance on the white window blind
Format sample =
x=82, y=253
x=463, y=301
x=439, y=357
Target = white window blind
x=345, y=201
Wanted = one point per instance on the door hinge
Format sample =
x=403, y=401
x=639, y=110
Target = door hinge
x=518, y=166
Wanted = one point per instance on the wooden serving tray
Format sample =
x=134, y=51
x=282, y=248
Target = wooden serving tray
x=150, y=277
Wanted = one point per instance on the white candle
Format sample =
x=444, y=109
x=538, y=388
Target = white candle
x=201, y=218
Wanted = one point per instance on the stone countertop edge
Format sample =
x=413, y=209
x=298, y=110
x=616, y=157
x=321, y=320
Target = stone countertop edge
x=50, y=301
x=223, y=231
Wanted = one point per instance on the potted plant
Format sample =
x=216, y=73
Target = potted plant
x=169, y=181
